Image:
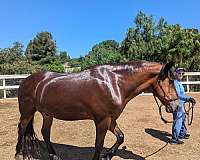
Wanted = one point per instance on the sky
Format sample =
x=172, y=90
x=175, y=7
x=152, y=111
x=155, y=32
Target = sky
x=77, y=25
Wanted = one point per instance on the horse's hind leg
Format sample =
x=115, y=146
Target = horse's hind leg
x=120, y=139
x=46, y=129
x=25, y=125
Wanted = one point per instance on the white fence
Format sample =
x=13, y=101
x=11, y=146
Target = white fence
x=5, y=87
x=187, y=82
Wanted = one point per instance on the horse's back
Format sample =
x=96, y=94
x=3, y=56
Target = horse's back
x=29, y=84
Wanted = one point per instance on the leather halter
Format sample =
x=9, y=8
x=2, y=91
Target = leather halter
x=187, y=111
x=161, y=105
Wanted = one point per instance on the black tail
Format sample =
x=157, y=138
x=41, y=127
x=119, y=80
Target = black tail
x=30, y=142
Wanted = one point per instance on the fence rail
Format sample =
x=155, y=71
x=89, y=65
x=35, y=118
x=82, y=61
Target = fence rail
x=5, y=88
x=191, y=83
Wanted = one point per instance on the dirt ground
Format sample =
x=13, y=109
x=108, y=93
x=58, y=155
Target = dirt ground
x=146, y=135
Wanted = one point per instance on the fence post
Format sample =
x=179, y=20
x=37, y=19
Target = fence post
x=4, y=90
x=188, y=87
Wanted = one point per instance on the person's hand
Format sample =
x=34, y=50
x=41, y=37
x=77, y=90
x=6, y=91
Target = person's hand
x=192, y=100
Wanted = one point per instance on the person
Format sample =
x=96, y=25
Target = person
x=179, y=130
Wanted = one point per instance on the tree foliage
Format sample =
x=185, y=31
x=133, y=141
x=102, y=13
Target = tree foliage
x=9, y=55
x=63, y=57
x=56, y=66
x=105, y=52
x=12, y=61
x=41, y=49
x=162, y=42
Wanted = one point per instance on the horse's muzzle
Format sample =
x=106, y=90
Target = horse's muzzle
x=171, y=107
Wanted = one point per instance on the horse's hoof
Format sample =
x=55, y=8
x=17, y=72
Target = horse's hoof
x=54, y=157
x=19, y=156
x=107, y=156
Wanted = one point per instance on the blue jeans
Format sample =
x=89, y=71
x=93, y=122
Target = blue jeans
x=179, y=129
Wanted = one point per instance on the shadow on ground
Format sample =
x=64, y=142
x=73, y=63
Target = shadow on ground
x=162, y=135
x=68, y=152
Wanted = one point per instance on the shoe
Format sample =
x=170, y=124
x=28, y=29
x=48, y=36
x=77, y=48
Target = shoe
x=186, y=136
x=176, y=142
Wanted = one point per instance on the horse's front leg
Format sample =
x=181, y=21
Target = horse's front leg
x=101, y=129
x=120, y=139
x=46, y=130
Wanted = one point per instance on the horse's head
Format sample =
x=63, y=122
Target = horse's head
x=164, y=88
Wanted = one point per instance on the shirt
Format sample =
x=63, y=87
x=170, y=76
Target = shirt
x=181, y=94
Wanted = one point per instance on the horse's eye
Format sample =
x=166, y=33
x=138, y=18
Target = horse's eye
x=171, y=81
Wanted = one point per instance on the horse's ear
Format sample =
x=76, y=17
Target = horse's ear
x=165, y=70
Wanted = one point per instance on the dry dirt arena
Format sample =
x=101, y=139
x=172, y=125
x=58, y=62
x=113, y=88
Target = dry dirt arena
x=146, y=135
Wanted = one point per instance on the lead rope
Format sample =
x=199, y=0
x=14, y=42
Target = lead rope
x=187, y=112
x=160, y=111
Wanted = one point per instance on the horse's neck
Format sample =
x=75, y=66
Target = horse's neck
x=136, y=80
x=137, y=86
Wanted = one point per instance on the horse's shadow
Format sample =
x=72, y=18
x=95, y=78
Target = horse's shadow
x=162, y=135
x=69, y=152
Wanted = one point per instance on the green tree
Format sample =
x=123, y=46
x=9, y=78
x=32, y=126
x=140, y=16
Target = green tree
x=56, y=66
x=41, y=49
x=139, y=42
x=14, y=53
x=162, y=42
x=12, y=61
x=63, y=57
x=103, y=53
x=76, y=62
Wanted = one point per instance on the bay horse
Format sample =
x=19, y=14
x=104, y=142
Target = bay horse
x=99, y=93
